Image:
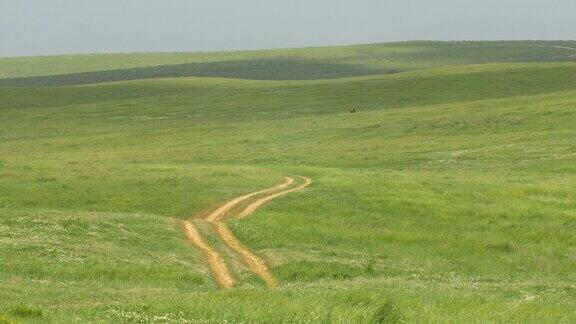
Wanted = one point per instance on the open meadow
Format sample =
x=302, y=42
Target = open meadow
x=448, y=196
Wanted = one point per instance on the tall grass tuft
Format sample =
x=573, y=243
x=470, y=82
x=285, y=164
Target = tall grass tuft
x=387, y=313
x=26, y=311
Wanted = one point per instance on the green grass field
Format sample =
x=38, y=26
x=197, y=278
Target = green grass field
x=449, y=197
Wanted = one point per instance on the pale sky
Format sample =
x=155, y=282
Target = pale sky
x=37, y=27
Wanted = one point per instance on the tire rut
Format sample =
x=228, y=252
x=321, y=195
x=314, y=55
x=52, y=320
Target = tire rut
x=255, y=205
x=222, y=210
x=214, y=260
x=256, y=264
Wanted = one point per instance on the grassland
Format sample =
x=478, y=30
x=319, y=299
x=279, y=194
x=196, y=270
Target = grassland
x=449, y=197
x=285, y=64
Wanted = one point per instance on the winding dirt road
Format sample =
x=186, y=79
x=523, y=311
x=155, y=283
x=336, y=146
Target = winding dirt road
x=255, y=205
x=254, y=263
x=213, y=259
x=215, y=262
x=222, y=210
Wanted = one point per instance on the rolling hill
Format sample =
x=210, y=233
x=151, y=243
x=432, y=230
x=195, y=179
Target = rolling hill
x=449, y=196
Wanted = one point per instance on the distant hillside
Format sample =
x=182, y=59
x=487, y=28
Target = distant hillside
x=287, y=64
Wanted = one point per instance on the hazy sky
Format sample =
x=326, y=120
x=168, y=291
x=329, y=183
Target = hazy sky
x=32, y=27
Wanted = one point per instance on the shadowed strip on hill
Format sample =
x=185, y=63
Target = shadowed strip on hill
x=259, y=69
x=403, y=56
x=242, y=99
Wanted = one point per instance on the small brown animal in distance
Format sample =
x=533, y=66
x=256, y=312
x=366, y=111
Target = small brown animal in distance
x=354, y=109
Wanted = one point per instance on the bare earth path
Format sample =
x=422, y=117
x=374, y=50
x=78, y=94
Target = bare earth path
x=255, y=205
x=254, y=263
x=222, y=210
x=214, y=260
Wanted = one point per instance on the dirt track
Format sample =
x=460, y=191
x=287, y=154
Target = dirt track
x=214, y=260
x=254, y=263
x=222, y=210
x=255, y=205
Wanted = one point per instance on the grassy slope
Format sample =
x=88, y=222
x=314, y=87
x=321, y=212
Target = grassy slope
x=449, y=197
x=290, y=64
